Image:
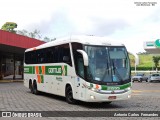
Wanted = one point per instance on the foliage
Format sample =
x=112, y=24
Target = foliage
x=156, y=60
x=145, y=60
x=9, y=26
x=35, y=34
x=143, y=68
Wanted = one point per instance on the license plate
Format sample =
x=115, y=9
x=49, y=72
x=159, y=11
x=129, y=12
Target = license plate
x=112, y=97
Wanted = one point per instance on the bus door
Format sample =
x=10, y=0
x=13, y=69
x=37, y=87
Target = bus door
x=80, y=75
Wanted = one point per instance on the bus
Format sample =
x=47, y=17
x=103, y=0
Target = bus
x=84, y=68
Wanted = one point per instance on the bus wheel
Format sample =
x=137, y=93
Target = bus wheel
x=69, y=95
x=31, y=86
x=35, y=91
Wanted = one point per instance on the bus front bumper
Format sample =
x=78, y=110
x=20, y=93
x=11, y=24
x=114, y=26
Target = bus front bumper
x=93, y=96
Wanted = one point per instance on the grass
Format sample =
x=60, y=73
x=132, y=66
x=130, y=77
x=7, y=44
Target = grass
x=145, y=60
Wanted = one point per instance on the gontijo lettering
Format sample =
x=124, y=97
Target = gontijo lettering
x=54, y=70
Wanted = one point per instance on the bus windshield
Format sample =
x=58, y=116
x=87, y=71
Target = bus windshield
x=107, y=64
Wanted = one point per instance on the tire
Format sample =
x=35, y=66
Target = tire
x=69, y=95
x=146, y=80
x=35, y=91
x=140, y=80
x=31, y=87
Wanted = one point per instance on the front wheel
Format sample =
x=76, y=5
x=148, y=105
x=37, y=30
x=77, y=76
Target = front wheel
x=69, y=96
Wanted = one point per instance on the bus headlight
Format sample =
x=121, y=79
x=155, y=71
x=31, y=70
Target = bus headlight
x=129, y=96
x=92, y=97
x=128, y=89
x=95, y=90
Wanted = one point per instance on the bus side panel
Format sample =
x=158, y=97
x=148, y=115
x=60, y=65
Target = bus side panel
x=64, y=79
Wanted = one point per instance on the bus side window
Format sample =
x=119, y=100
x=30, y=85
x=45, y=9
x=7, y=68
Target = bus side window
x=56, y=55
x=40, y=56
x=64, y=54
x=30, y=57
x=49, y=55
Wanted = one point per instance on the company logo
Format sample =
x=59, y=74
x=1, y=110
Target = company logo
x=54, y=70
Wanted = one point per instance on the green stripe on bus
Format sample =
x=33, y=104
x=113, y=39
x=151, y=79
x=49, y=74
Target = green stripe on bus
x=120, y=87
x=49, y=70
x=42, y=79
x=40, y=69
x=29, y=70
x=103, y=87
x=125, y=86
x=33, y=69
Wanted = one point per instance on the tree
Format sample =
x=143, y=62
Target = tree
x=46, y=39
x=35, y=34
x=9, y=26
x=156, y=61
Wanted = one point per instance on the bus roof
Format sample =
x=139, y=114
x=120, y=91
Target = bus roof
x=87, y=40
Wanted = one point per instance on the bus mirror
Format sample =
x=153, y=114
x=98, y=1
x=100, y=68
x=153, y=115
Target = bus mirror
x=85, y=57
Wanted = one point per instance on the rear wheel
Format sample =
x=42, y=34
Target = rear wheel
x=35, y=91
x=69, y=95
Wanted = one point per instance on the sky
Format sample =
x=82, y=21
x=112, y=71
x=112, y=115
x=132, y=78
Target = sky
x=121, y=20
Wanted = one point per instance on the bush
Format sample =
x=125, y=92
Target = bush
x=143, y=68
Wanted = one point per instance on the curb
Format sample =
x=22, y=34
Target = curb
x=8, y=81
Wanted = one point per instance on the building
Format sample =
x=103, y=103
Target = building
x=152, y=47
x=12, y=47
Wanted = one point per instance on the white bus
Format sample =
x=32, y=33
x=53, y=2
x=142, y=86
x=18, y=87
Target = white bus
x=85, y=68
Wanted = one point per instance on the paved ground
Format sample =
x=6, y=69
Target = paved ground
x=15, y=97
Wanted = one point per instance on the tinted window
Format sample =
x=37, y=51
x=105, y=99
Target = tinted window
x=155, y=75
x=58, y=54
